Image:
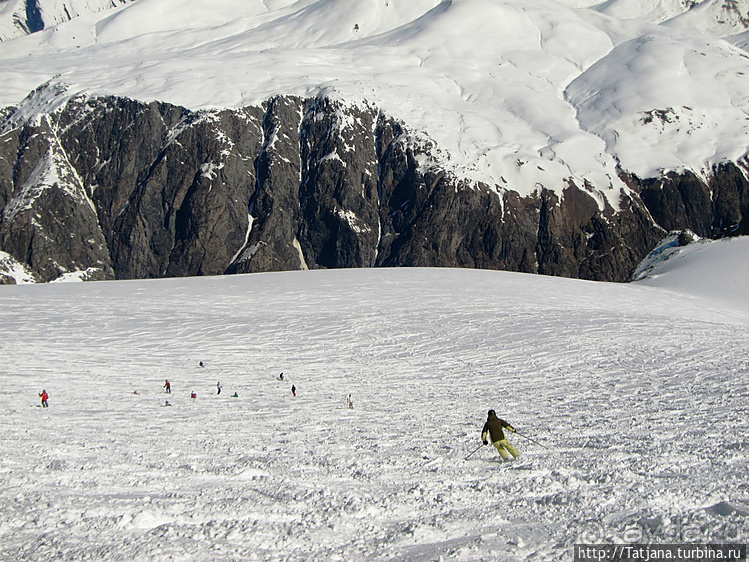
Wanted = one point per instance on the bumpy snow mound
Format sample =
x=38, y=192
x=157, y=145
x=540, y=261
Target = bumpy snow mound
x=721, y=18
x=654, y=11
x=667, y=101
x=713, y=270
x=716, y=17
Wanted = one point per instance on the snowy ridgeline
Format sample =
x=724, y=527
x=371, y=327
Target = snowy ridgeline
x=515, y=94
x=639, y=393
x=20, y=17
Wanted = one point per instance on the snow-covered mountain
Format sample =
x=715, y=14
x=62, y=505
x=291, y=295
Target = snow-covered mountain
x=494, y=83
x=635, y=396
x=21, y=17
x=595, y=122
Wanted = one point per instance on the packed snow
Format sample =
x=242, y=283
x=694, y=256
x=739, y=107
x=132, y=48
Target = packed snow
x=706, y=269
x=517, y=94
x=635, y=397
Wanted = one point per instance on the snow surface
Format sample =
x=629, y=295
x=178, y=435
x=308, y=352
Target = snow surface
x=517, y=94
x=639, y=394
x=711, y=270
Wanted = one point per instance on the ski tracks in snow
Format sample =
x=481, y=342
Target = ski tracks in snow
x=644, y=413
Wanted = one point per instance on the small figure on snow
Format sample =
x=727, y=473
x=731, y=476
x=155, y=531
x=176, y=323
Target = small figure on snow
x=201, y=364
x=218, y=387
x=494, y=427
x=166, y=403
x=235, y=395
x=193, y=395
x=280, y=377
x=350, y=402
x=44, y=396
x=167, y=387
x=293, y=390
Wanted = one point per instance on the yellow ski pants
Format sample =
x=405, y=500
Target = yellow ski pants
x=504, y=447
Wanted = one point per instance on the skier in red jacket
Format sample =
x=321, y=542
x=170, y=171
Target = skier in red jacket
x=44, y=396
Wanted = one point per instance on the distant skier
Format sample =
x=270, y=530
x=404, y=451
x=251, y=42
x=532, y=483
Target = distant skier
x=218, y=388
x=494, y=427
x=201, y=364
x=44, y=396
x=280, y=377
x=167, y=387
x=193, y=395
x=350, y=402
x=293, y=390
x=235, y=395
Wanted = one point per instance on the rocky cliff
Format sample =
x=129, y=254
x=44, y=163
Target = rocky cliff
x=113, y=188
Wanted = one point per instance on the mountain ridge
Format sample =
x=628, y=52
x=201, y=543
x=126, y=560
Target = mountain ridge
x=156, y=190
x=23, y=17
x=528, y=101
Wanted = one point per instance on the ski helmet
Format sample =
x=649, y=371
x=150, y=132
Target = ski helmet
x=492, y=413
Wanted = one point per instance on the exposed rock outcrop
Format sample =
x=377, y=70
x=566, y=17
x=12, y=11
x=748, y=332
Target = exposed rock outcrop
x=712, y=209
x=124, y=189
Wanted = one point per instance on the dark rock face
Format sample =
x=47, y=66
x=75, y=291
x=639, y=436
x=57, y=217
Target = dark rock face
x=683, y=201
x=433, y=219
x=124, y=189
x=274, y=208
x=338, y=195
x=48, y=222
x=34, y=20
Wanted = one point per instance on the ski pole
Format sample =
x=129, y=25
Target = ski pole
x=474, y=452
x=531, y=440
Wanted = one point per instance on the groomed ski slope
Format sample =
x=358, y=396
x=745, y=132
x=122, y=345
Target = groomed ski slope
x=639, y=393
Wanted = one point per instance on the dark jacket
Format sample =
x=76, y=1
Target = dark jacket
x=494, y=426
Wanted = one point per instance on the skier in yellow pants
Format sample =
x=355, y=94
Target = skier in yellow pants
x=494, y=426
